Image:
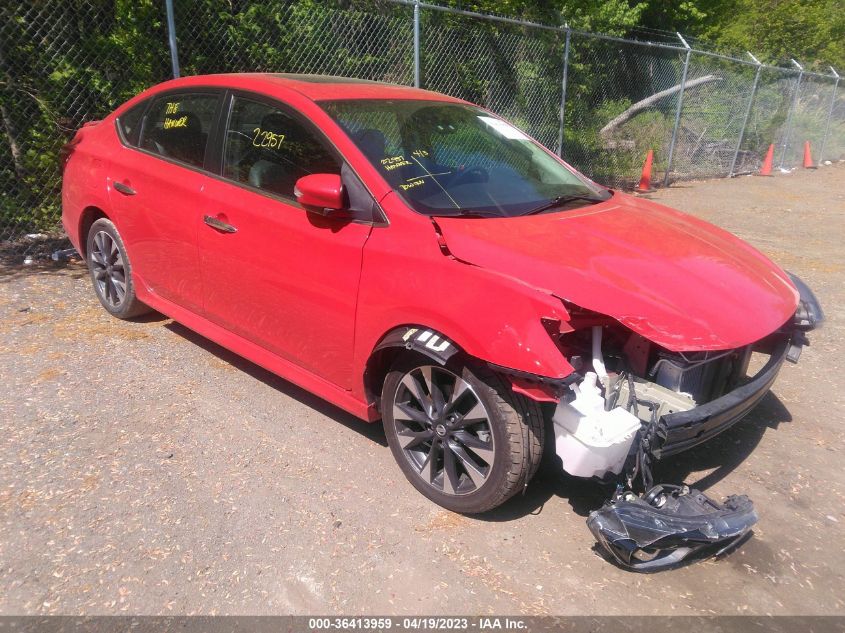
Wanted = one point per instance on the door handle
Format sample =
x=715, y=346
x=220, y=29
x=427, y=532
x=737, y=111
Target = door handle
x=126, y=190
x=219, y=225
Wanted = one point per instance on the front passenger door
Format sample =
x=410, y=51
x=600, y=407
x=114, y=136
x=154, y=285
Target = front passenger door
x=273, y=273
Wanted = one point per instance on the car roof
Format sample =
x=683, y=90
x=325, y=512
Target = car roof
x=314, y=87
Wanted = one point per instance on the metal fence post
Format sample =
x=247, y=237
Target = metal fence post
x=678, y=109
x=791, y=112
x=563, y=91
x=171, y=38
x=416, y=43
x=747, y=113
x=829, y=113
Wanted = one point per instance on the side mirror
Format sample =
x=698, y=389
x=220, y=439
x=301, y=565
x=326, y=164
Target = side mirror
x=320, y=193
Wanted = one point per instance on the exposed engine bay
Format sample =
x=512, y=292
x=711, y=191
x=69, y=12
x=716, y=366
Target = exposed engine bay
x=633, y=403
x=629, y=387
x=608, y=427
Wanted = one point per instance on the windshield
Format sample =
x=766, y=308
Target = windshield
x=453, y=159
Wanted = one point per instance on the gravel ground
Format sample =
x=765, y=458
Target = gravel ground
x=145, y=470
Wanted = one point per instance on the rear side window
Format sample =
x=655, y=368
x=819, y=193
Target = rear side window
x=130, y=123
x=270, y=150
x=178, y=126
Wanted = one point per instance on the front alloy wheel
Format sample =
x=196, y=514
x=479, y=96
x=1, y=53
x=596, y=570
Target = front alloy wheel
x=444, y=430
x=459, y=433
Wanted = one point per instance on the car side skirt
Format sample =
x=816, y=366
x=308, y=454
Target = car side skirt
x=258, y=355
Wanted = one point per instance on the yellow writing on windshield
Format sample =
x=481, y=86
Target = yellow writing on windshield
x=412, y=184
x=394, y=162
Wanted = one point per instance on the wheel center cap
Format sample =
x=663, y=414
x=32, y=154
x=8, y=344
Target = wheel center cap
x=440, y=429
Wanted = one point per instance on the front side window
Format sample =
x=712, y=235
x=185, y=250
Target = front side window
x=454, y=159
x=178, y=126
x=269, y=149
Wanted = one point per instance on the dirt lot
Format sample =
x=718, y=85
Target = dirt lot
x=146, y=470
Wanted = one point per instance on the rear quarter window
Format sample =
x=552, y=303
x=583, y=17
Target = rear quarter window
x=129, y=123
x=178, y=126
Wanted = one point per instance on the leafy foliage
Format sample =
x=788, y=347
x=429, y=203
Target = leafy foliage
x=812, y=31
x=65, y=62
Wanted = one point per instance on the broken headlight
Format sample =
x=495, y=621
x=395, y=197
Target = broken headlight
x=669, y=525
x=808, y=315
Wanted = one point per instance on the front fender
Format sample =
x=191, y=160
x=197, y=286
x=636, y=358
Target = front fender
x=494, y=318
x=419, y=339
x=517, y=335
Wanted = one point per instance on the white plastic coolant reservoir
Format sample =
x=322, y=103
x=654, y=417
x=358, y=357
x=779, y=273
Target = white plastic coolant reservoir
x=589, y=440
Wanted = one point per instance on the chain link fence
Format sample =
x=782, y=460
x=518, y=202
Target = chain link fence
x=602, y=102
x=620, y=103
x=514, y=70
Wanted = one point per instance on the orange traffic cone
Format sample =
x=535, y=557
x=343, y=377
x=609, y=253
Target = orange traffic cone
x=766, y=169
x=645, y=179
x=808, y=159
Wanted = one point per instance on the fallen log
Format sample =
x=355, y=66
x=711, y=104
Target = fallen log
x=648, y=102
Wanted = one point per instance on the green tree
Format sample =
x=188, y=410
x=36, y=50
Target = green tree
x=812, y=31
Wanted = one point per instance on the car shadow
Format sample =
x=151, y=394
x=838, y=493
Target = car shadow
x=723, y=453
x=150, y=317
x=14, y=272
x=373, y=432
x=581, y=494
x=726, y=451
x=38, y=249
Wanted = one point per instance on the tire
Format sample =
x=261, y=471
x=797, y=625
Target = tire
x=111, y=271
x=468, y=443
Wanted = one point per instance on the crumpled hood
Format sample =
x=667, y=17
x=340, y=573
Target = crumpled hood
x=676, y=280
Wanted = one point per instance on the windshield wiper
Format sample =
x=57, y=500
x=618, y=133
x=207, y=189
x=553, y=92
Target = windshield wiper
x=551, y=204
x=466, y=213
x=560, y=201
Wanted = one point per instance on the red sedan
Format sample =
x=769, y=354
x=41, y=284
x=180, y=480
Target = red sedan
x=414, y=258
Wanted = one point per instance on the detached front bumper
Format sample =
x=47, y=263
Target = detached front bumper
x=680, y=431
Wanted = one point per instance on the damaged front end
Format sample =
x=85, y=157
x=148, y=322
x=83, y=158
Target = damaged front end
x=674, y=400
x=634, y=403
x=669, y=525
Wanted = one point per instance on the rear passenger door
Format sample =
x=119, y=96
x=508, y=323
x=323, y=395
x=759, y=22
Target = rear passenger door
x=273, y=273
x=157, y=180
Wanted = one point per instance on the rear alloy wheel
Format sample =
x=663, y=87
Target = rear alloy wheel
x=111, y=272
x=465, y=442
